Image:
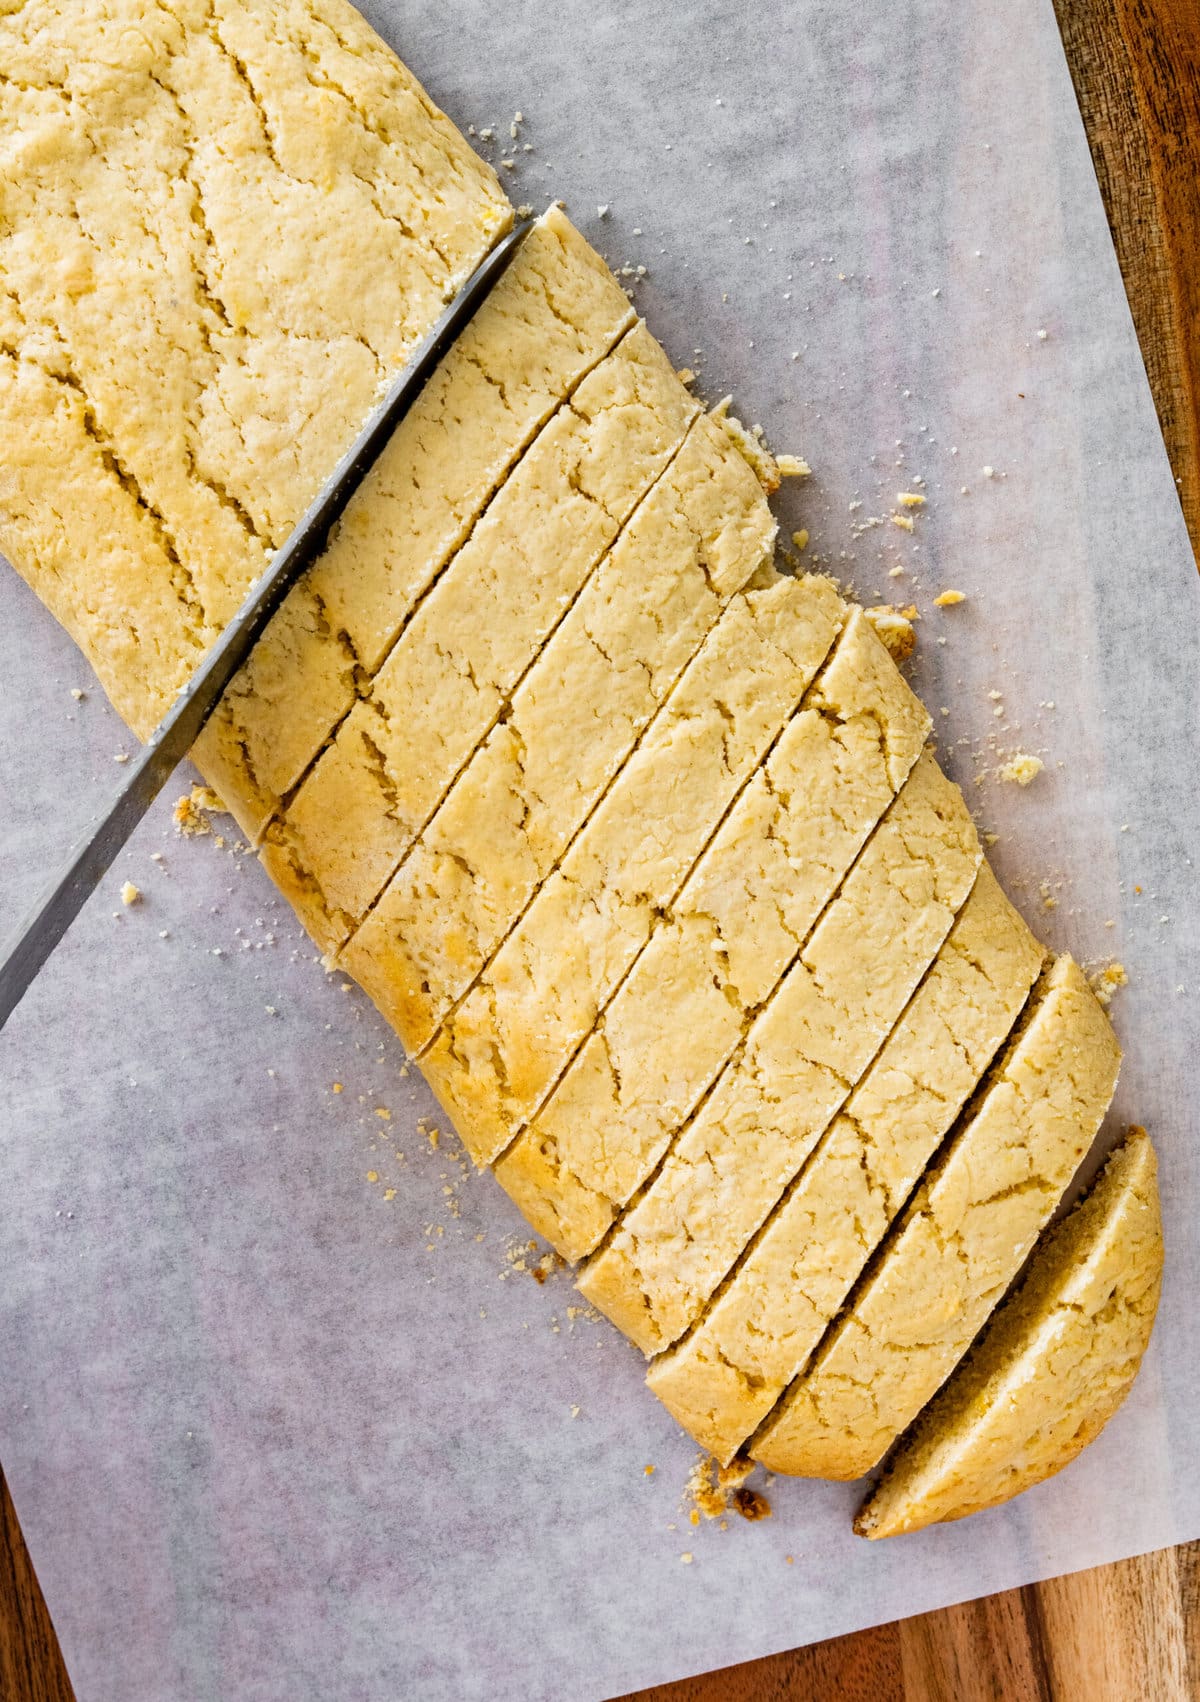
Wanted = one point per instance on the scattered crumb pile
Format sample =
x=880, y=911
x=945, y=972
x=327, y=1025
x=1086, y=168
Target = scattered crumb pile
x=195, y=810
x=712, y=1489
x=1104, y=982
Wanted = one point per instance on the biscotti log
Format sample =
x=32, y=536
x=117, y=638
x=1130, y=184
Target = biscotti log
x=630, y=837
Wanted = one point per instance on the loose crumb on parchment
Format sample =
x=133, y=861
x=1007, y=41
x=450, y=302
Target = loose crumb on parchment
x=1021, y=769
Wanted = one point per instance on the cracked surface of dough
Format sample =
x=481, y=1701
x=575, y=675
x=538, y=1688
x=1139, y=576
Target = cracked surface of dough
x=699, y=535
x=551, y=317
x=495, y=1058
x=722, y=1380
x=1053, y=1366
x=221, y=227
x=486, y=619
x=738, y=921
x=966, y=1234
x=799, y=1060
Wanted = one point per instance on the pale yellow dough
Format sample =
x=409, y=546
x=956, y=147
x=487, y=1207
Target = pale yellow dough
x=1053, y=1366
x=222, y=226
x=798, y=1061
x=698, y=536
x=968, y=1231
x=494, y=1060
x=736, y=925
x=484, y=622
x=552, y=316
x=722, y=1380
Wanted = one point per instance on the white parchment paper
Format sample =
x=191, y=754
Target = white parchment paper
x=276, y=1430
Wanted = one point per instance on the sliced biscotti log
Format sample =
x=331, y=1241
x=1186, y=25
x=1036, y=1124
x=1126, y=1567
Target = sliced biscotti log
x=498, y=1055
x=722, y=1380
x=699, y=535
x=1051, y=1368
x=965, y=1236
x=554, y=314
x=799, y=1060
x=221, y=228
x=736, y=925
x=445, y=682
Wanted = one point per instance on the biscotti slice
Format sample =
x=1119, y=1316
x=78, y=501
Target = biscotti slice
x=798, y=1061
x=211, y=260
x=737, y=923
x=494, y=1060
x=553, y=315
x=722, y=1380
x=485, y=620
x=968, y=1231
x=698, y=536
x=1051, y=1368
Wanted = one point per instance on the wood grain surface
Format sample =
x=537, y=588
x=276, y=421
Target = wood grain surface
x=1125, y=1633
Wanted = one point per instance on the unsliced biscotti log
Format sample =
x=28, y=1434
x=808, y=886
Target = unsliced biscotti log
x=723, y=1378
x=716, y=959
x=446, y=680
x=701, y=532
x=498, y=1055
x=799, y=1061
x=1051, y=1368
x=969, y=1229
x=222, y=227
x=553, y=315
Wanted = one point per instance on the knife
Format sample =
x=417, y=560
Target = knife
x=180, y=727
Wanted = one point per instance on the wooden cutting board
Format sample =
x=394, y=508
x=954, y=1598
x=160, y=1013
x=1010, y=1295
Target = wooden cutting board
x=1125, y=1633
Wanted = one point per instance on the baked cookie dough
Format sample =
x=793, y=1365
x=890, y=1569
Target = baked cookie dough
x=966, y=1235
x=497, y=1056
x=1052, y=1367
x=698, y=536
x=722, y=1379
x=737, y=923
x=446, y=680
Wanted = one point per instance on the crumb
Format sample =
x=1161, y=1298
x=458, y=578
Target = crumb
x=1020, y=769
x=338, y=1087
x=910, y=499
x=389, y=1193
x=904, y=521
x=575, y=1411
x=790, y=1559
x=793, y=467
x=947, y=599
x=686, y=1558
x=372, y=1175
x=989, y=472
x=130, y=894
x=382, y=1112
x=686, y=376
x=77, y=694
x=647, y=1471
x=751, y=1505
x=192, y=811
x=121, y=756
x=895, y=628
x=1104, y=982
x=800, y=539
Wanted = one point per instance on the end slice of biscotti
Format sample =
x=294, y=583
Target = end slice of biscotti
x=1051, y=1368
